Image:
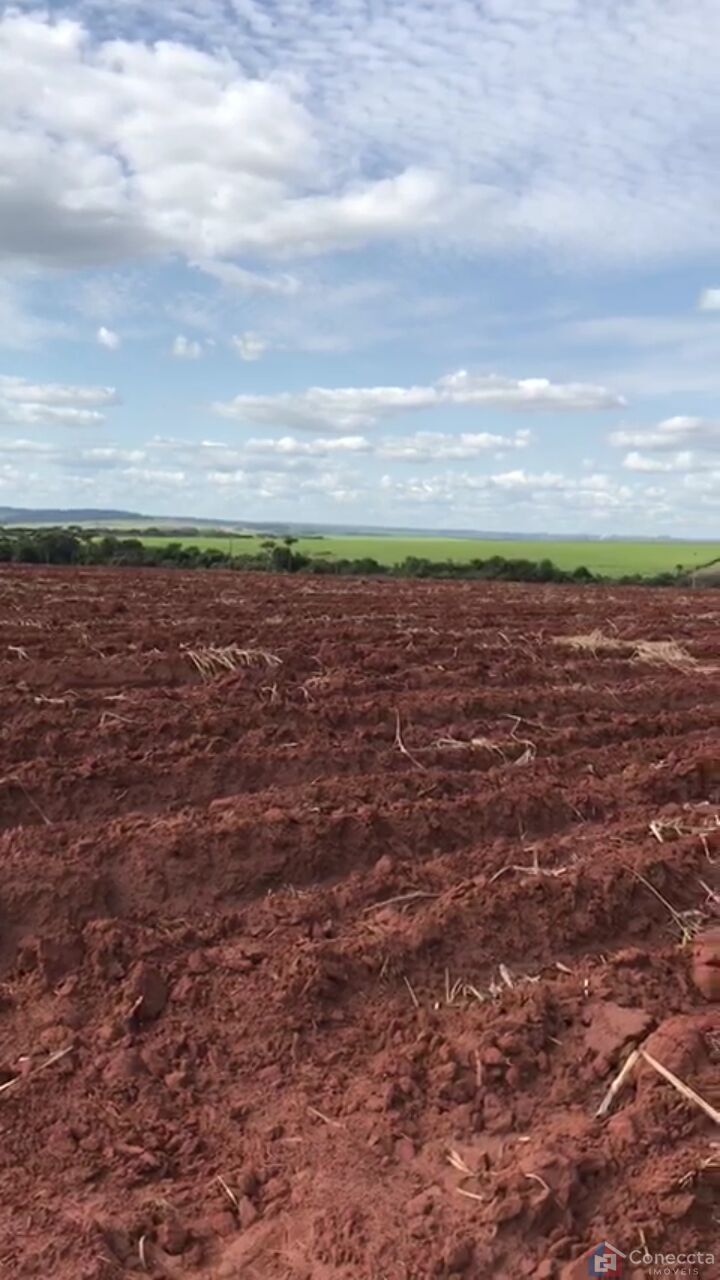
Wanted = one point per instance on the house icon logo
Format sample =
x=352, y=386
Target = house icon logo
x=605, y=1260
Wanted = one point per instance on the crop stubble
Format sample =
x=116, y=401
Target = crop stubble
x=320, y=957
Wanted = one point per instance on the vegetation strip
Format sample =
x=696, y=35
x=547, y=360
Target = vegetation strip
x=85, y=547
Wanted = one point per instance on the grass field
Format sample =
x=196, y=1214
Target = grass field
x=611, y=558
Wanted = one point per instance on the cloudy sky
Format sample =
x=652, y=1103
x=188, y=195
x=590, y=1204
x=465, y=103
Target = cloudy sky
x=440, y=263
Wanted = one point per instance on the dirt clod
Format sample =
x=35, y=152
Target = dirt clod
x=148, y=992
x=610, y=1026
x=247, y=1212
x=706, y=964
x=173, y=1237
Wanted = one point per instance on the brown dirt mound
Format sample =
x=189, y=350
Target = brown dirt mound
x=321, y=966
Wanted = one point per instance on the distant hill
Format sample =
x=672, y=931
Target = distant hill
x=138, y=521
x=52, y=515
x=105, y=516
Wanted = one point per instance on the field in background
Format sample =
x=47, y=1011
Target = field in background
x=610, y=558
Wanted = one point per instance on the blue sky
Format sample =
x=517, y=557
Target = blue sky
x=441, y=263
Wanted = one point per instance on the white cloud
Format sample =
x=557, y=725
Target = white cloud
x=30, y=404
x=289, y=447
x=10, y=476
x=54, y=393
x=709, y=300
x=116, y=148
x=228, y=479
x=521, y=482
x=705, y=488
x=671, y=433
x=39, y=415
x=249, y=346
x=427, y=446
x=341, y=409
x=524, y=393
x=108, y=338
x=154, y=478
x=245, y=281
x=636, y=461
x=350, y=408
x=213, y=458
x=293, y=453
x=37, y=447
x=186, y=348
x=106, y=458
x=413, y=200
x=278, y=486
x=277, y=476
x=546, y=493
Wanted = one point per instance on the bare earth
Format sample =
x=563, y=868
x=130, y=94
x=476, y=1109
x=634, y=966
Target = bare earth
x=330, y=910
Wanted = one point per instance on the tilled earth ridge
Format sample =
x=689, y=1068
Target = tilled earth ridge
x=330, y=909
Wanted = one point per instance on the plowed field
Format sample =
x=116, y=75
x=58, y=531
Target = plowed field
x=330, y=910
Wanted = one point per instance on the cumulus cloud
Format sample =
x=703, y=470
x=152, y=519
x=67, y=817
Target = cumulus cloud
x=10, y=476
x=117, y=149
x=39, y=415
x=428, y=446
x=37, y=447
x=524, y=393
x=26, y=403
x=107, y=458
x=278, y=486
x=292, y=453
x=709, y=300
x=636, y=461
x=212, y=458
x=270, y=475
x=289, y=447
x=249, y=346
x=671, y=433
x=154, y=479
x=114, y=148
x=186, y=348
x=339, y=409
x=706, y=486
x=546, y=492
x=349, y=408
x=54, y=393
x=108, y=338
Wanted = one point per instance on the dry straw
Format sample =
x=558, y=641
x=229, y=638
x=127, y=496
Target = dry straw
x=54, y=1057
x=666, y=653
x=212, y=661
x=462, y=1167
x=400, y=744
x=688, y=922
x=627, y=1069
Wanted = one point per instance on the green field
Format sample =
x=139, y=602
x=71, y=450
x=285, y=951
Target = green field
x=609, y=558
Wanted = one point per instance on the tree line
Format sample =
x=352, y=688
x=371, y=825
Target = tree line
x=55, y=546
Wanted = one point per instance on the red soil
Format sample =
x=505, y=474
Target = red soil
x=294, y=959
